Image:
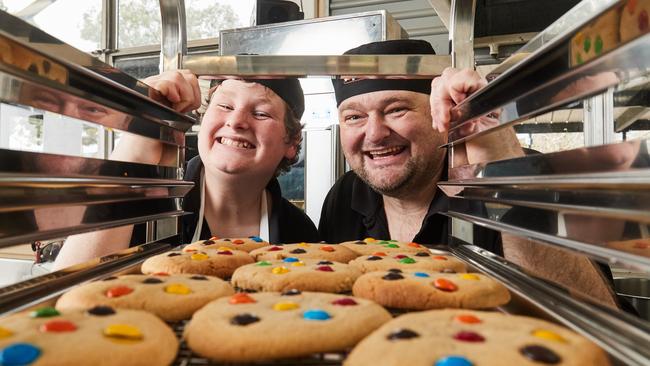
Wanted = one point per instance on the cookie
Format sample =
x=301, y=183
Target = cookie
x=634, y=19
x=170, y=297
x=98, y=336
x=292, y=273
x=246, y=244
x=637, y=246
x=326, y=252
x=382, y=261
x=423, y=290
x=210, y=262
x=463, y=337
x=595, y=38
x=368, y=246
x=267, y=326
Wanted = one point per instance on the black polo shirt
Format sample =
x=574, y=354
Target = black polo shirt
x=353, y=211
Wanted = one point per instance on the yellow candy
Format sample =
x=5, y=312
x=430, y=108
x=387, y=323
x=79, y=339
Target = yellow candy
x=178, y=289
x=4, y=332
x=221, y=249
x=287, y=305
x=548, y=335
x=199, y=256
x=369, y=240
x=304, y=245
x=470, y=276
x=298, y=264
x=280, y=270
x=123, y=332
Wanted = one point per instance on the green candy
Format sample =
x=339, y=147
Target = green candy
x=45, y=312
x=598, y=47
x=263, y=263
x=586, y=45
x=407, y=260
x=393, y=241
x=383, y=242
x=578, y=59
x=392, y=246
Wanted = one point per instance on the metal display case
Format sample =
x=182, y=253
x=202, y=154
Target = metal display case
x=603, y=185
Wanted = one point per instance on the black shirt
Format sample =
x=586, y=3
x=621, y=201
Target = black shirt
x=287, y=223
x=353, y=211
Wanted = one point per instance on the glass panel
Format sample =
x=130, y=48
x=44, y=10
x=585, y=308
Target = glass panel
x=82, y=27
x=139, y=67
x=138, y=23
x=206, y=18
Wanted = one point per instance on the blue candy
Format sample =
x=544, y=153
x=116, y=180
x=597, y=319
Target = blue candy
x=316, y=314
x=291, y=259
x=256, y=238
x=420, y=274
x=19, y=354
x=453, y=361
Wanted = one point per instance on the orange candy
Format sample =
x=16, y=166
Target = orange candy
x=445, y=285
x=238, y=241
x=327, y=248
x=161, y=274
x=468, y=319
x=58, y=326
x=439, y=257
x=241, y=298
x=118, y=291
x=214, y=238
x=189, y=250
x=641, y=245
x=379, y=254
x=414, y=245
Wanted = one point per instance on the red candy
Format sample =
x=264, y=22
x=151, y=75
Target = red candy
x=238, y=241
x=466, y=336
x=439, y=257
x=273, y=249
x=631, y=5
x=241, y=298
x=224, y=252
x=641, y=245
x=643, y=21
x=468, y=319
x=400, y=256
x=160, y=274
x=344, y=301
x=58, y=326
x=325, y=269
x=327, y=248
x=445, y=285
x=118, y=291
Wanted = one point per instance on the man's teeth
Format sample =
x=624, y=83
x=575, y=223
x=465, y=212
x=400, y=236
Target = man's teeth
x=385, y=152
x=241, y=144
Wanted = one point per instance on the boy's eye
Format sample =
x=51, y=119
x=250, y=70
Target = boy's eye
x=261, y=114
x=224, y=106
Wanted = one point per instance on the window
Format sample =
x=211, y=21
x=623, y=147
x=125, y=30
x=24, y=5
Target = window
x=206, y=18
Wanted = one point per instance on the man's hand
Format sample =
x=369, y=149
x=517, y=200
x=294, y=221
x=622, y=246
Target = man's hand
x=180, y=87
x=449, y=89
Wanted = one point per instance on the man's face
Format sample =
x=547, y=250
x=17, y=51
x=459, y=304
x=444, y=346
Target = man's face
x=388, y=140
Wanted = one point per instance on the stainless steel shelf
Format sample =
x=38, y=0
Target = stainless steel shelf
x=16, y=297
x=378, y=66
x=632, y=335
x=34, y=59
x=553, y=76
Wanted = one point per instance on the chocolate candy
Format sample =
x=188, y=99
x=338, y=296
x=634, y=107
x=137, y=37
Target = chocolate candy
x=445, y=285
x=325, y=269
x=540, y=354
x=199, y=278
x=291, y=292
x=273, y=249
x=208, y=242
x=109, y=278
x=118, y=291
x=224, y=252
x=395, y=270
x=468, y=319
x=642, y=21
x=178, y=289
x=453, y=361
x=45, y=312
x=422, y=254
x=374, y=258
x=173, y=254
x=58, y=326
x=316, y=314
x=407, y=260
x=123, y=332
x=467, y=336
x=241, y=298
x=298, y=251
x=322, y=263
x=420, y=274
x=263, y=263
x=244, y=319
x=346, y=301
x=285, y=305
x=402, y=334
x=152, y=280
x=280, y=270
x=19, y=354
x=360, y=242
x=256, y=239
x=291, y=259
x=393, y=276
x=101, y=311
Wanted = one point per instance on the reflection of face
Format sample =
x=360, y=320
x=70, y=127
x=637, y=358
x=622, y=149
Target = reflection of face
x=388, y=140
x=243, y=130
x=615, y=157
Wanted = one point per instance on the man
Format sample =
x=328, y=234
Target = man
x=391, y=192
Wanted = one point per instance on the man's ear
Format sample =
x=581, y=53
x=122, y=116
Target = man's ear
x=291, y=152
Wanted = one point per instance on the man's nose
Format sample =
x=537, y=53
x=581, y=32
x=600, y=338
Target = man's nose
x=70, y=109
x=237, y=119
x=376, y=129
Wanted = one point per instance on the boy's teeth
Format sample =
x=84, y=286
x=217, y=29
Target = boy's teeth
x=229, y=142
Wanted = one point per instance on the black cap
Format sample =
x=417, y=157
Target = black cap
x=346, y=88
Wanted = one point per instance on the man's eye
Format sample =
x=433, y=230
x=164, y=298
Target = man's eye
x=352, y=118
x=397, y=110
x=259, y=114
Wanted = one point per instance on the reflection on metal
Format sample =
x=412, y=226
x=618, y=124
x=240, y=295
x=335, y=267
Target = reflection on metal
x=599, y=324
x=461, y=33
x=23, y=294
x=544, y=225
x=174, y=33
x=29, y=53
x=549, y=78
x=378, y=66
x=624, y=163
